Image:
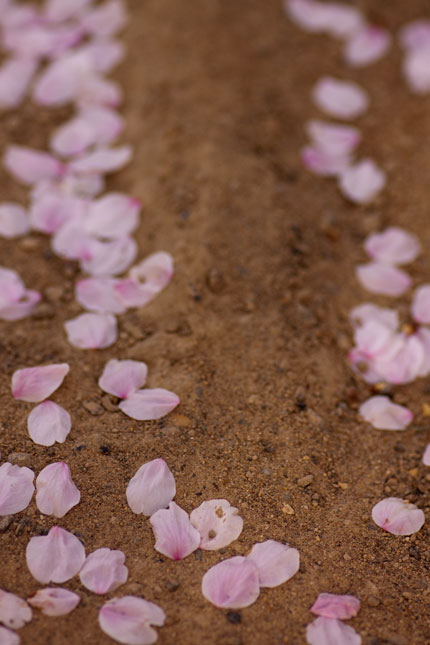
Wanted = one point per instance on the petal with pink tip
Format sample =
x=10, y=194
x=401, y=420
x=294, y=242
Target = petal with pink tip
x=15, y=78
x=330, y=631
x=104, y=571
x=385, y=415
x=128, y=620
x=14, y=611
x=342, y=99
x=421, y=304
x=16, y=488
x=13, y=220
x=334, y=139
x=48, y=422
x=149, y=404
x=323, y=163
x=134, y=294
x=110, y=257
x=113, y=215
x=218, y=523
x=416, y=69
x=55, y=557
x=71, y=242
x=103, y=160
x=232, y=583
x=122, y=378
x=426, y=455
x=384, y=279
x=276, y=562
x=7, y=637
x=34, y=384
x=30, y=166
x=56, y=492
x=375, y=339
x=175, y=536
x=361, y=182
x=366, y=46
x=92, y=331
x=54, y=601
x=99, y=295
x=398, y=516
x=105, y=20
x=335, y=606
x=152, y=488
x=392, y=246
x=368, y=312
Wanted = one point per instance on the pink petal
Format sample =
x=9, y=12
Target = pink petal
x=13, y=220
x=342, y=99
x=99, y=295
x=61, y=81
x=398, y=516
x=55, y=557
x=113, y=215
x=92, y=331
x=416, y=34
x=375, y=339
x=134, y=294
x=35, y=384
x=276, y=562
x=73, y=243
x=152, y=488
x=122, y=378
x=15, y=300
x=14, y=612
x=15, y=77
x=336, y=140
x=232, y=583
x=369, y=312
x=323, y=163
x=61, y=10
x=72, y=138
x=174, y=534
x=149, y=404
x=217, y=522
x=426, y=455
x=103, y=160
x=361, y=182
x=96, y=91
x=406, y=364
x=48, y=422
x=392, y=246
x=416, y=68
x=40, y=41
x=421, y=304
x=367, y=46
x=335, y=19
x=30, y=166
x=8, y=638
x=156, y=270
x=380, y=278
x=56, y=491
x=85, y=186
x=50, y=211
x=16, y=488
x=105, y=20
x=128, y=620
x=105, y=123
x=334, y=606
x=111, y=257
x=104, y=571
x=423, y=336
x=103, y=54
x=54, y=601
x=385, y=415
x=329, y=631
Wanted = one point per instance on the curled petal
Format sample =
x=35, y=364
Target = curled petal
x=398, y=516
x=276, y=562
x=16, y=488
x=330, y=631
x=122, y=378
x=56, y=492
x=113, y=215
x=149, y=404
x=14, y=612
x=13, y=220
x=334, y=606
x=385, y=415
x=54, y=601
x=392, y=246
x=48, y=422
x=406, y=364
x=174, y=534
x=98, y=294
x=104, y=571
x=217, y=522
x=30, y=166
x=129, y=620
x=152, y=488
x=366, y=46
x=421, y=304
x=55, y=557
x=362, y=182
x=382, y=278
x=342, y=99
x=92, y=331
x=232, y=583
x=426, y=455
x=35, y=384
x=334, y=139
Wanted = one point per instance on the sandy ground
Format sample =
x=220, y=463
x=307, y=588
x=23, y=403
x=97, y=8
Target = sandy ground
x=252, y=333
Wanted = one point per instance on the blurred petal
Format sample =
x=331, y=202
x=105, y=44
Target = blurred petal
x=366, y=46
x=15, y=77
x=113, y=215
x=426, y=455
x=50, y=211
x=15, y=300
x=152, y=488
x=103, y=160
x=72, y=243
x=384, y=279
x=105, y=123
x=72, y=138
x=35, y=384
x=416, y=68
x=385, y=415
x=48, y=422
x=333, y=18
x=99, y=295
x=368, y=312
x=13, y=220
x=329, y=631
x=61, y=10
x=276, y=562
x=122, y=378
x=149, y=404
x=421, y=304
x=60, y=81
x=103, y=54
x=56, y=492
x=174, y=534
x=7, y=637
x=361, y=182
x=104, y=571
x=97, y=91
x=323, y=163
x=128, y=620
x=392, y=246
x=55, y=557
x=106, y=19
x=16, y=488
x=54, y=601
x=334, y=139
x=14, y=611
x=398, y=516
x=30, y=166
x=334, y=606
x=416, y=34
x=92, y=331
x=217, y=522
x=342, y=99
x=232, y=583
x=109, y=257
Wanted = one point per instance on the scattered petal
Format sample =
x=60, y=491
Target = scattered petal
x=16, y=488
x=92, y=331
x=109, y=258
x=15, y=77
x=152, y=488
x=385, y=415
x=50, y=211
x=16, y=301
x=14, y=611
x=48, y=422
x=174, y=534
x=7, y=637
x=323, y=163
x=367, y=46
x=398, y=516
x=149, y=404
x=384, y=279
x=35, y=384
x=104, y=571
x=122, y=378
x=218, y=523
x=30, y=166
x=276, y=562
x=334, y=606
x=13, y=220
x=368, y=312
x=99, y=295
x=404, y=365
x=361, y=182
x=156, y=271
x=426, y=455
x=54, y=601
x=329, y=631
x=56, y=492
x=128, y=620
x=421, y=304
x=103, y=160
x=62, y=10
x=113, y=215
x=333, y=18
x=55, y=557
x=334, y=139
x=416, y=34
x=105, y=20
x=342, y=99
x=392, y=246
x=232, y=583
x=416, y=68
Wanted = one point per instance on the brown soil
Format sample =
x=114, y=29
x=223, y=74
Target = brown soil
x=252, y=333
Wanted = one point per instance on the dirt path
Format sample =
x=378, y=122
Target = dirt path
x=252, y=334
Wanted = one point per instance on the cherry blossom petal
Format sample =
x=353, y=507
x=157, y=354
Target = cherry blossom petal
x=334, y=139
x=16, y=488
x=15, y=300
x=342, y=99
x=335, y=19
x=374, y=339
x=13, y=220
x=421, y=304
x=361, y=182
x=40, y=41
x=276, y=562
x=84, y=186
x=110, y=257
x=14, y=611
x=128, y=620
x=62, y=10
x=99, y=295
x=113, y=215
x=174, y=534
x=384, y=279
x=96, y=91
x=426, y=455
x=368, y=312
x=156, y=271
x=56, y=492
x=103, y=160
x=105, y=20
x=423, y=336
x=406, y=364
x=134, y=294
x=152, y=488
x=416, y=34
x=92, y=331
x=7, y=637
x=367, y=46
x=335, y=606
x=149, y=404
x=72, y=138
x=218, y=523
x=50, y=211
x=34, y=384
x=106, y=123
x=54, y=601
x=55, y=557
x=61, y=81
x=392, y=246
x=232, y=583
x=122, y=378
x=15, y=78
x=398, y=516
x=103, y=54
x=48, y=422
x=385, y=415
x=72, y=243
x=329, y=631
x=322, y=163
x=104, y=571
x=30, y=166
x=416, y=68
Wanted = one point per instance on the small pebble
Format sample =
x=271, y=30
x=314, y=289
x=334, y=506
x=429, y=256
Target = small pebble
x=44, y=310
x=54, y=294
x=287, y=509
x=373, y=602
x=108, y=404
x=305, y=481
x=92, y=407
x=29, y=243
x=5, y=522
x=234, y=617
x=215, y=280
x=172, y=585
x=19, y=458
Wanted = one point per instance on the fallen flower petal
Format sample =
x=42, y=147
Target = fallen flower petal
x=105, y=20
x=406, y=364
x=322, y=163
x=392, y=246
x=30, y=166
x=72, y=138
x=152, y=488
x=7, y=637
x=103, y=160
x=416, y=69
x=149, y=404
x=92, y=331
x=329, y=631
x=368, y=312
x=62, y=10
x=416, y=34
x=122, y=378
x=218, y=523
x=16, y=488
x=276, y=562
x=384, y=279
x=109, y=257
x=55, y=557
x=16, y=301
x=35, y=384
x=334, y=18
x=366, y=46
x=48, y=422
x=156, y=271
x=13, y=220
x=174, y=534
x=128, y=620
x=103, y=571
x=335, y=606
x=361, y=182
x=426, y=455
x=334, y=139
x=342, y=99
x=15, y=78
x=98, y=294
x=56, y=492
x=232, y=583
x=14, y=611
x=421, y=304
x=113, y=215
x=398, y=516
x=385, y=415
x=54, y=601
x=51, y=210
